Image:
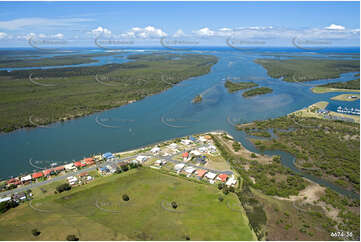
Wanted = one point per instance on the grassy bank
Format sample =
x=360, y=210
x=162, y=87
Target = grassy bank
x=97, y=212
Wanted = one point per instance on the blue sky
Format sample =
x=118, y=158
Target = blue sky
x=209, y=22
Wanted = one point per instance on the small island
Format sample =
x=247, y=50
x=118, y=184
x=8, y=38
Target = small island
x=236, y=86
x=197, y=99
x=257, y=91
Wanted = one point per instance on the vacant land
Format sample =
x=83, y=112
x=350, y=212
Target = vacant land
x=257, y=91
x=236, y=86
x=300, y=70
x=31, y=97
x=97, y=212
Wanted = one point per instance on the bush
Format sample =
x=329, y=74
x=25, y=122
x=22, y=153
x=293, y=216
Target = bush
x=174, y=205
x=72, y=237
x=124, y=168
x=63, y=187
x=220, y=199
x=253, y=155
x=220, y=186
x=35, y=232
x=125, y=197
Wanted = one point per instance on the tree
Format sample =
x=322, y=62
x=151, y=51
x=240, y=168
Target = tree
x=125, y=197
x=220, y=198
x=35, y=232
x=72, y=237
x=174, y=205
x=63, y=187
x=220, y=186
x=124, y=167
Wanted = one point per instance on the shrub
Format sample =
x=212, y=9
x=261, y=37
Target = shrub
x=63, y=187
x=174, y=205
x=124, y=168
x=253, y=155
x=35, y=232
x=125, y=197
x=220, y=199
x=220, y=186
x=72, y=237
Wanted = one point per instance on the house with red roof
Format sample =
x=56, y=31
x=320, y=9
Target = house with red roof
x=47, y=172
x=12, y=181
x=201, y=173
x=59, y=168
x=37, y=175
x=89, y=161
x=77, y=164
x=222, y=177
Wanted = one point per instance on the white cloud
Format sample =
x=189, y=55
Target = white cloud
x=335, y=27
x=204, y=32
x=100, y=30
x=179, y=33
x=39, y=22
x=3, y=35
x=147, y=32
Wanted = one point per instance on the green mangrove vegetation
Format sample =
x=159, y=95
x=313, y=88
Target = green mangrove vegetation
x=236, y=86
x=257, y=91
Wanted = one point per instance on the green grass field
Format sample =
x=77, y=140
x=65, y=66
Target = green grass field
x=97, y=212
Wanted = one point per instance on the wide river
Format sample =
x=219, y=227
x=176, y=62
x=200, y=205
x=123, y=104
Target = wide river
x=169, y=114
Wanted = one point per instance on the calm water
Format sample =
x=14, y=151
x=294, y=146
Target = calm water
x=166, y=115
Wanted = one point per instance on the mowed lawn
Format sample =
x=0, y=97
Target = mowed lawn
x=97, y=212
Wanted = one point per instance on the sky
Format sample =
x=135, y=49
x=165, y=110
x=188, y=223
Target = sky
x=180, y=23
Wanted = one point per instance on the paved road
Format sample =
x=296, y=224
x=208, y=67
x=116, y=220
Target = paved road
x=62, y=177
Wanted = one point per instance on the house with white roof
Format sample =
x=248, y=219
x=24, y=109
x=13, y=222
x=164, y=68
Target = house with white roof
x=173, y=146
x=186, y=141
x=179, y=166
x=141, y=158
x=26, y=178
x=69, y=166
x=195, y=152
x=5, y=199
x=189, y=169
x=211, y=175
x=202, y=139
x=231, y=181
x=155, y=149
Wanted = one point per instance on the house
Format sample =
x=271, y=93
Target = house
x=200, y=173
x=59, y=168
x=202, y=139
x=178, y=167
x=203, y=149
x=195, y=152
x=160, y=162
x=111, y=168
x=89, y=178
x=212, y=149
x=69, y=166
x=186, y=141
x=26, y=178
x=185, y=156
x=83, y=174
x=72, y=180
x=21, y=196
x=108, y=155
x=207, y=137
x=231, y=181
x=5, y=199
x=47, y=172
x=211, y=175
x=192, y=139
x=141, y=158
x=10, y=181
x=173, y=146
x=79, y=164
x=37, y=175
x=189, y=169
x=222, y=177
x=156, y=149
x=89, y=161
